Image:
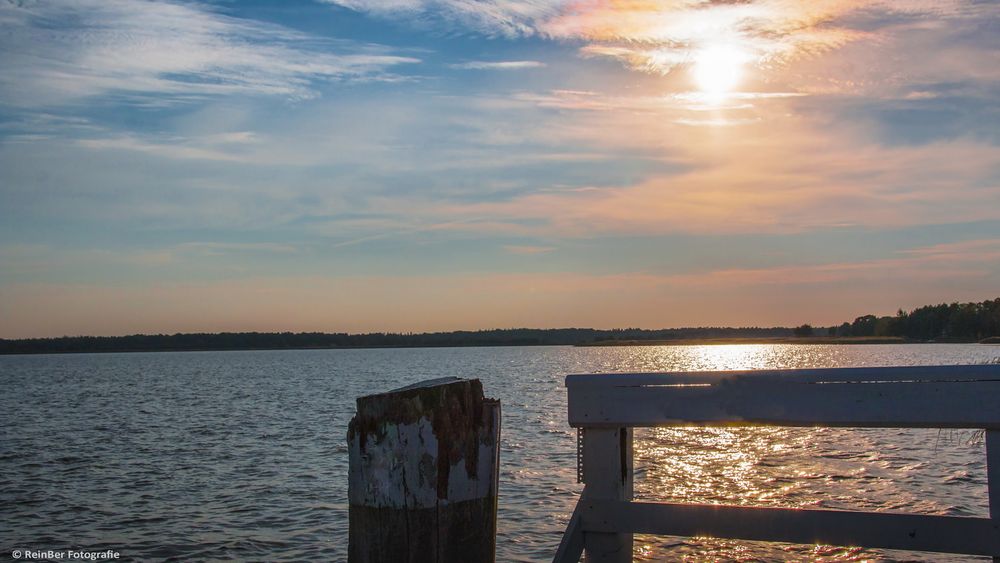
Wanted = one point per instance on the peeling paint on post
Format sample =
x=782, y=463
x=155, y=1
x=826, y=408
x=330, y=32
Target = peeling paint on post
x=422, y=485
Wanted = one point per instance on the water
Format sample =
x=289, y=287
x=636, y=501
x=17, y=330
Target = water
x=222, y=455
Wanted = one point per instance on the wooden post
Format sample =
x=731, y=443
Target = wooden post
x=607, y=472
x=422, y=485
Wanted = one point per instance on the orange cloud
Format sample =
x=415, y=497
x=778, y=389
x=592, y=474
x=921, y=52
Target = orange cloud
x=658, y=36
x=528, y=249
x=778, y=174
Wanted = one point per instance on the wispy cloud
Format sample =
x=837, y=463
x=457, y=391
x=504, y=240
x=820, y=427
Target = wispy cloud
x=528, y=249
x=777, y=176
x=781, y=40
x=232, y=146
x=658, y=36
x=962, y=260
x=689, y=101
x=175, y=148
x=56, y=52
x=498, y=65
x=491, y=17
x=220, y=248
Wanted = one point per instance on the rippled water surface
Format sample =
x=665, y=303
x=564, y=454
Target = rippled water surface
x=221, y=455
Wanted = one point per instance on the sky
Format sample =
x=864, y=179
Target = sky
x=424, y=165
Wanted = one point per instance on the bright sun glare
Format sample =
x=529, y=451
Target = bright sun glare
x=717, y=69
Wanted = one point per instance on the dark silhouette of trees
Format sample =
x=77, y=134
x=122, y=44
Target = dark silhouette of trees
x=955, y=322
x=804, y=330
x=864, y=326
x=305, y=340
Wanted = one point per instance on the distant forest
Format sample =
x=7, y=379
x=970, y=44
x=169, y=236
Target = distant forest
x=290, y=340
x=955, y=322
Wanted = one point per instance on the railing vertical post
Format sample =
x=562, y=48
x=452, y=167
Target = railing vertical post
x=993, y=477
x=607, y=470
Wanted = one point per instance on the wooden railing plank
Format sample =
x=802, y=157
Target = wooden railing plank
x=979, y=372
x=964, y=404
x=946, y=534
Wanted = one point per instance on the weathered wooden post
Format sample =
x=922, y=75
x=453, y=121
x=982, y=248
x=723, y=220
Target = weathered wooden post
x=422, y=485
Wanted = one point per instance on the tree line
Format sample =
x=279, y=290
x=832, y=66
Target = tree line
x=947, y=322
x=305, y=340
x=954, y=322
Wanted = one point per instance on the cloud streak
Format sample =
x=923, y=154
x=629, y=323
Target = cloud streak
x=498, y=65
x=59, y=52
x=764, y=173
x=781, y=40
x=509, y=18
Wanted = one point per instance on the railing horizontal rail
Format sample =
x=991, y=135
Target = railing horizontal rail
x=948, y=534
x=981, y=372
x=950, y=397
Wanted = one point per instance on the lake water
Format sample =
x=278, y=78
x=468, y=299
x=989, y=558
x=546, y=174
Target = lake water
x=222, y=455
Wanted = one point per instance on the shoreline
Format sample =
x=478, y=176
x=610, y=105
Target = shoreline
x=810, y=340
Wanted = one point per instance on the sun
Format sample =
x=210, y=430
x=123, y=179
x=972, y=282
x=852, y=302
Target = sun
x=718, y=69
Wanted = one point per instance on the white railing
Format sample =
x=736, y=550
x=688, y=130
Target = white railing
x=606, y=407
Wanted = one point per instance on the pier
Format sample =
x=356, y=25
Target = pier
x=424, y=460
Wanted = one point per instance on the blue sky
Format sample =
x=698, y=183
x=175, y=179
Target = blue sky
x=442, y=164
